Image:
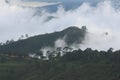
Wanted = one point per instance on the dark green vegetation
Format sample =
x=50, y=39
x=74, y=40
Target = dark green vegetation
x=62, y=63
x=76, y=65
x=35, y=43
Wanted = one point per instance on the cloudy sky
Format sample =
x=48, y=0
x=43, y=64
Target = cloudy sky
x=17, y=20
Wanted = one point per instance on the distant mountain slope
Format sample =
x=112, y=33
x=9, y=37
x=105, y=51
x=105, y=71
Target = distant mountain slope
x=71, y=35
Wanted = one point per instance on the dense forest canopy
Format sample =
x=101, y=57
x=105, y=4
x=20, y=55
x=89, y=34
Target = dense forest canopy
x=76, y=65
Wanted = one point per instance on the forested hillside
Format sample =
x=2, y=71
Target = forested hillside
x=32, y=44
x=76, y=65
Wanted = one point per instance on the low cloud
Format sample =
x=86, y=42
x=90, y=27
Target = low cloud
x=102, y=22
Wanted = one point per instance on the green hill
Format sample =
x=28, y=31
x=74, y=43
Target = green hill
x=72, y=35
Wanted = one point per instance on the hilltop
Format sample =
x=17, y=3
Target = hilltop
x=70, y=35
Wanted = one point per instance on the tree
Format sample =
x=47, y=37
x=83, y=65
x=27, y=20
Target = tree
x=40, y=53
x=26, y=35
x=7, y=42
x=11, y=41
x=67, y=49
x=110, y=50
x=59, y=52
x=84, y=28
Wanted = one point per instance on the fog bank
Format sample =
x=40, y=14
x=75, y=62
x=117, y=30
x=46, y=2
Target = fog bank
x=102, y=22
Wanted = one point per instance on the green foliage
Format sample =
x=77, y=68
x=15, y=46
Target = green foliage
x=35, y=43
x=76, y=65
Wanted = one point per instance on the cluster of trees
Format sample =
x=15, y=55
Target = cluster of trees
x=23, y=36
x=68, y=54
x=87, y=55
x=78, y=64
x=12, y=40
